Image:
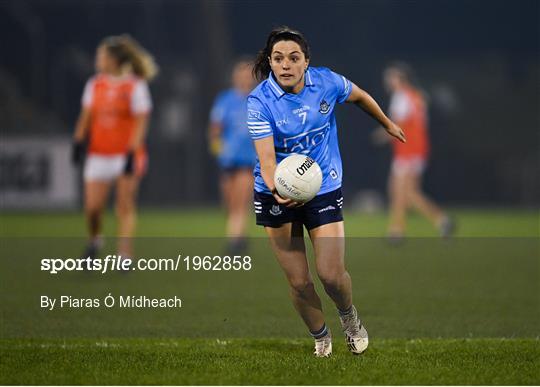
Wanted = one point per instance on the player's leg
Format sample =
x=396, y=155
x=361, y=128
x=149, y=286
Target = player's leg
x=288, y=245
x=126, y=211
x=225, y=183
x=95, y=199
x=398, y=201
x=419, y=200
x=226, y=186
x=329, y=246
x=241, y=189
x=96, y=194
x=97, y=185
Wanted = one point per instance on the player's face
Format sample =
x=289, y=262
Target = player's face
x=288, y=64
x=105, y=63
x=242, y=77
x=392, y=79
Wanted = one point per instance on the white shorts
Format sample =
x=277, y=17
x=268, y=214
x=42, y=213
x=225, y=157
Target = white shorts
x=406, y=165
x=103, y=168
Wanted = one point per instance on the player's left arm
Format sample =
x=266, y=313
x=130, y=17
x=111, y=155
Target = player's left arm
x=139, y=134
x=136, y=141
x=141, y=106
x=215, y=127
x=364, y=101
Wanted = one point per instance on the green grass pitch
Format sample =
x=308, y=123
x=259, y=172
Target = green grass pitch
x=209, y=222
x=270, y=361
x=465, y=312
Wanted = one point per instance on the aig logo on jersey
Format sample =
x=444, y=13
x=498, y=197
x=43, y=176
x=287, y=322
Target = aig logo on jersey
x=303, y=142
x=324, y=107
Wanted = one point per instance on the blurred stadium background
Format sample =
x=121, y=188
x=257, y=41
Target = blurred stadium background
x=478, y=62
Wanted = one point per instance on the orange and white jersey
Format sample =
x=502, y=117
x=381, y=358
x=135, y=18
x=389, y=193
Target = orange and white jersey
x=408, y=110
x=114, y=103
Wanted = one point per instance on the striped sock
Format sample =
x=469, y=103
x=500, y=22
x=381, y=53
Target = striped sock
x=320, y=333
x=346, y=311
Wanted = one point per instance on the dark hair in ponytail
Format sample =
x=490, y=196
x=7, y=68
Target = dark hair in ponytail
x=261, y=68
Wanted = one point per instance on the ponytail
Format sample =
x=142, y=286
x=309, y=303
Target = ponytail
x=131, y=56
x=262, y=68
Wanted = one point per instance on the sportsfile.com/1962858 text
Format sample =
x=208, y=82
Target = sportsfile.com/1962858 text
x=112, y=263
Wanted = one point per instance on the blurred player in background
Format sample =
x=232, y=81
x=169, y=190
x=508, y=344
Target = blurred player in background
x=116, y=105
x=408, y=109
x=231, y=144
x=292, y=111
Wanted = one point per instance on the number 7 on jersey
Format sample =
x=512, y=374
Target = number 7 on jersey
x=304, y=116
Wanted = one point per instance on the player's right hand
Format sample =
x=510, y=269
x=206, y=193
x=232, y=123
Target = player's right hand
x=77, y=152
x=129, y=167
x=215, y=147
x=286, y=202
x=395, y=131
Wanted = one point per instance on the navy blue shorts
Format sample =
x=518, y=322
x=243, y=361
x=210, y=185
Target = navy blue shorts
x=322, y=209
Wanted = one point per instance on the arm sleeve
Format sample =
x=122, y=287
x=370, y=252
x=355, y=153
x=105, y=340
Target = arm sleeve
x=400, y=107
x=343, y=87
x=218, y=111
x=258, y=119
x=88, y=94
x=141, y=102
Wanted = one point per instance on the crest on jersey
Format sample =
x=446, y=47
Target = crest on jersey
x=254, y=115
x=324, y=107
x=276, y=210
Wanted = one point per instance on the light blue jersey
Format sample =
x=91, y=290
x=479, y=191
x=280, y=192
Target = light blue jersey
x=229, y=111
x=301, y=123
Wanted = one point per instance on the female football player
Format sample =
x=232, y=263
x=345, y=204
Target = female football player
x=408, y=110
x=230, y=142
x=292, y=111
x=115, y=110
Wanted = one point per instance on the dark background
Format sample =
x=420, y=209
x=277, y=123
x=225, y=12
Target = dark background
x=477, y=60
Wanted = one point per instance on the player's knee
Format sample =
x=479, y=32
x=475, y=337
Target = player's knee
x=300, y=285
x=92, y=210
x=125, y=207
x=331, y=279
